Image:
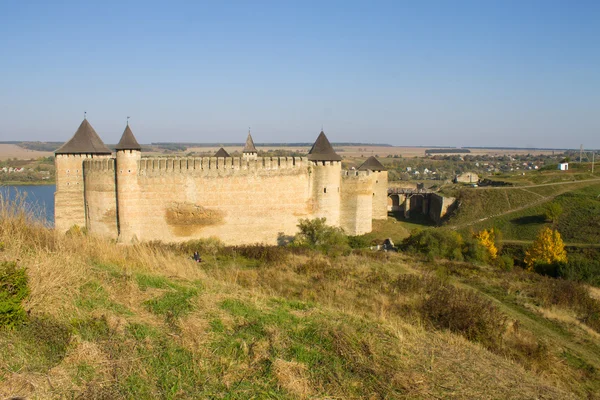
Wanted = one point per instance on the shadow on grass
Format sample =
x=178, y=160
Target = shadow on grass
x=531, y=219
x=415, y=218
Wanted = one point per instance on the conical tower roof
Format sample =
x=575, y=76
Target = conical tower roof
x=128, y=141
x=221, y=153
x=372, y=164
x=84, y=141
x=322, y=150
x=249, y=147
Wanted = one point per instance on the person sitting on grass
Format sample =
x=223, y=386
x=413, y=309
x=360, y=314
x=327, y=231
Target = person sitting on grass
x=196, y=257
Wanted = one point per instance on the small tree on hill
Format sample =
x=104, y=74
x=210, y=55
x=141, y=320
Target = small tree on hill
x=318, y=235
x=487, y=238
x=552, y=212
x=548, y=248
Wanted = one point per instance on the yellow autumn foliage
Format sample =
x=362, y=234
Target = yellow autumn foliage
x=547, y=248
x=487, y=238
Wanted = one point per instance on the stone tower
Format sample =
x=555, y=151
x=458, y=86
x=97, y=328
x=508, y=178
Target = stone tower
x=249, y=152
x=70, y=207
x=380, y=186
x=129, y=153
x=325, y=180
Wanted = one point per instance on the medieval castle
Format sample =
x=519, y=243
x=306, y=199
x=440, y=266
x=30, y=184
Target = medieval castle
x=239, y=200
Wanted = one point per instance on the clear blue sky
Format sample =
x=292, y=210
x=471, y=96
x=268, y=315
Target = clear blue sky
x=496, y=73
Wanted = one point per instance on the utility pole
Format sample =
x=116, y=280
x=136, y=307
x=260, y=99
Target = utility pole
x=593, y=154
x=580, y=153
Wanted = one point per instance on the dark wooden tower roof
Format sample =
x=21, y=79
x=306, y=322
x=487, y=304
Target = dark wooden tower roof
x=221, y=153
x=128, y=141
x=322, y=150
x=84, y=141
x=249, y=147
x=372, y=164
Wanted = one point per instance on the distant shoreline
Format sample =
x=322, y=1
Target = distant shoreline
x=34, y=183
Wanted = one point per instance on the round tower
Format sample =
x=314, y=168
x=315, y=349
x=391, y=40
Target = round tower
x=129, y=153
x=326, y=175
x=380, y=186
x=69, y=197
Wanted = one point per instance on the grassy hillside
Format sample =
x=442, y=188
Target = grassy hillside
x=111, y=321
x=578, y=223
x=485, y=206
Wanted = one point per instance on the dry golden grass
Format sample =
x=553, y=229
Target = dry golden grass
x=307, y=327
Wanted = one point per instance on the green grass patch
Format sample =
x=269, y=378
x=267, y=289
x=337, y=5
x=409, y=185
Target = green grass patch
x=175, y=303
x=93, y=296
x=36, y=346
x=92, y=329
x=154, y=281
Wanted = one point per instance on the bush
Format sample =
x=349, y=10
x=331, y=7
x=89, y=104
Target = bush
x=435, y=243
x=571, y=295
x=317, y=235
x=581, y=268
x=505, y=262
x=358, y=242
x=474, y=250
x=13, y=290
x=465, y=312
x=259, y=252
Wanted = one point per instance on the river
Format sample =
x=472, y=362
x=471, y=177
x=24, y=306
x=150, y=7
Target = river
x=38, y=199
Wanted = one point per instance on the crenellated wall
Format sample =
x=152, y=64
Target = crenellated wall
x=69, y=200
x=238, y=200
x=356, y=208
x=100, y=196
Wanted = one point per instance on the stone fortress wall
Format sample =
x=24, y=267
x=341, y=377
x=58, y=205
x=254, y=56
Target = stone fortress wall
x=238, y=200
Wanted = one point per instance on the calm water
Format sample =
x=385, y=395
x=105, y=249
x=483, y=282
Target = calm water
x=38, y=199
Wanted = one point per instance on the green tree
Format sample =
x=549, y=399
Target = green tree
x=553, y=212
x=316, y=234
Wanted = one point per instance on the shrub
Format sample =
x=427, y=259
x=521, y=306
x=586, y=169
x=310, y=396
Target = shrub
x=580, y=268
x=13, y=290
x=259, y=252
x=316, y=234
x=358, y=242
x=505, y=262
x=474, y=250
x=465, y=312
x=435, y=243
x=571, y=295
x=210, y=246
